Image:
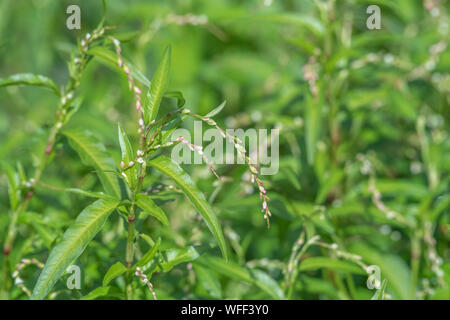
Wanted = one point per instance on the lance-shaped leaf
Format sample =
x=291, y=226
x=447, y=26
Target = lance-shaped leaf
x=176, y=95
x=30, y=79
x=184, y=181
x=88, y=223
x=110, y=59
x=216, y=110
x=127, y=156
x=158, y=86
x=116, y=270
x=93, y=153
x=315, y=263
x=13, y=184
x=149, y=207
x=313, y=127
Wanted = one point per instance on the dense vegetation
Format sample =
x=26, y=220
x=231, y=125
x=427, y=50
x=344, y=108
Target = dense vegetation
x=86, y=177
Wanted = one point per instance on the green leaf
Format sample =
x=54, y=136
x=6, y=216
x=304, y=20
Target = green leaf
x=36, y=221
x=313, y=127
x=252, y=276
x=116, y=270
x=168, y=259
x=209, y=281
x=86, y=193
x=149, y=207
x=147, y=239
x=380, y=292
x=96, y=293
x=109, y=58
x=29, y=79
x=149, y=255
x=216, y=110
x=93, y=153
x=315, y=263
x=13, y=185
x=158, y=86
x=74, y=241
x=176, y=95
x=127, y=156
x=184, y=181
x=90, y=194
x=393, y=268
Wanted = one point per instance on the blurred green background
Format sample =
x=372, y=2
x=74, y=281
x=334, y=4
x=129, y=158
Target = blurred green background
x=380, y=118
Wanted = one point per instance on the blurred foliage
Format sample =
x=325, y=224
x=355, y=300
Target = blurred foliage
x=364, y=146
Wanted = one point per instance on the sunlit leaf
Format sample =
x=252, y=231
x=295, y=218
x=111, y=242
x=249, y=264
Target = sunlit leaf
x=30, y=79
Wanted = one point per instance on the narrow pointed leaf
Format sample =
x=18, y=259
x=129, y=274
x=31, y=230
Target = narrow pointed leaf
x=127, y=156
x=86, y=193
x=158, y=86
x=184, y=181
x=93, y=153
x=380, y=292
x=29, y=79
x=149, y=207
x=176, y=95
x=88, y=223
x=116, y=270
x=252, y=276
x=209, y=281
x=110, y=59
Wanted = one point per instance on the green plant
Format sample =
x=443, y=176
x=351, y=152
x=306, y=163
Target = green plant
x=363, y=177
